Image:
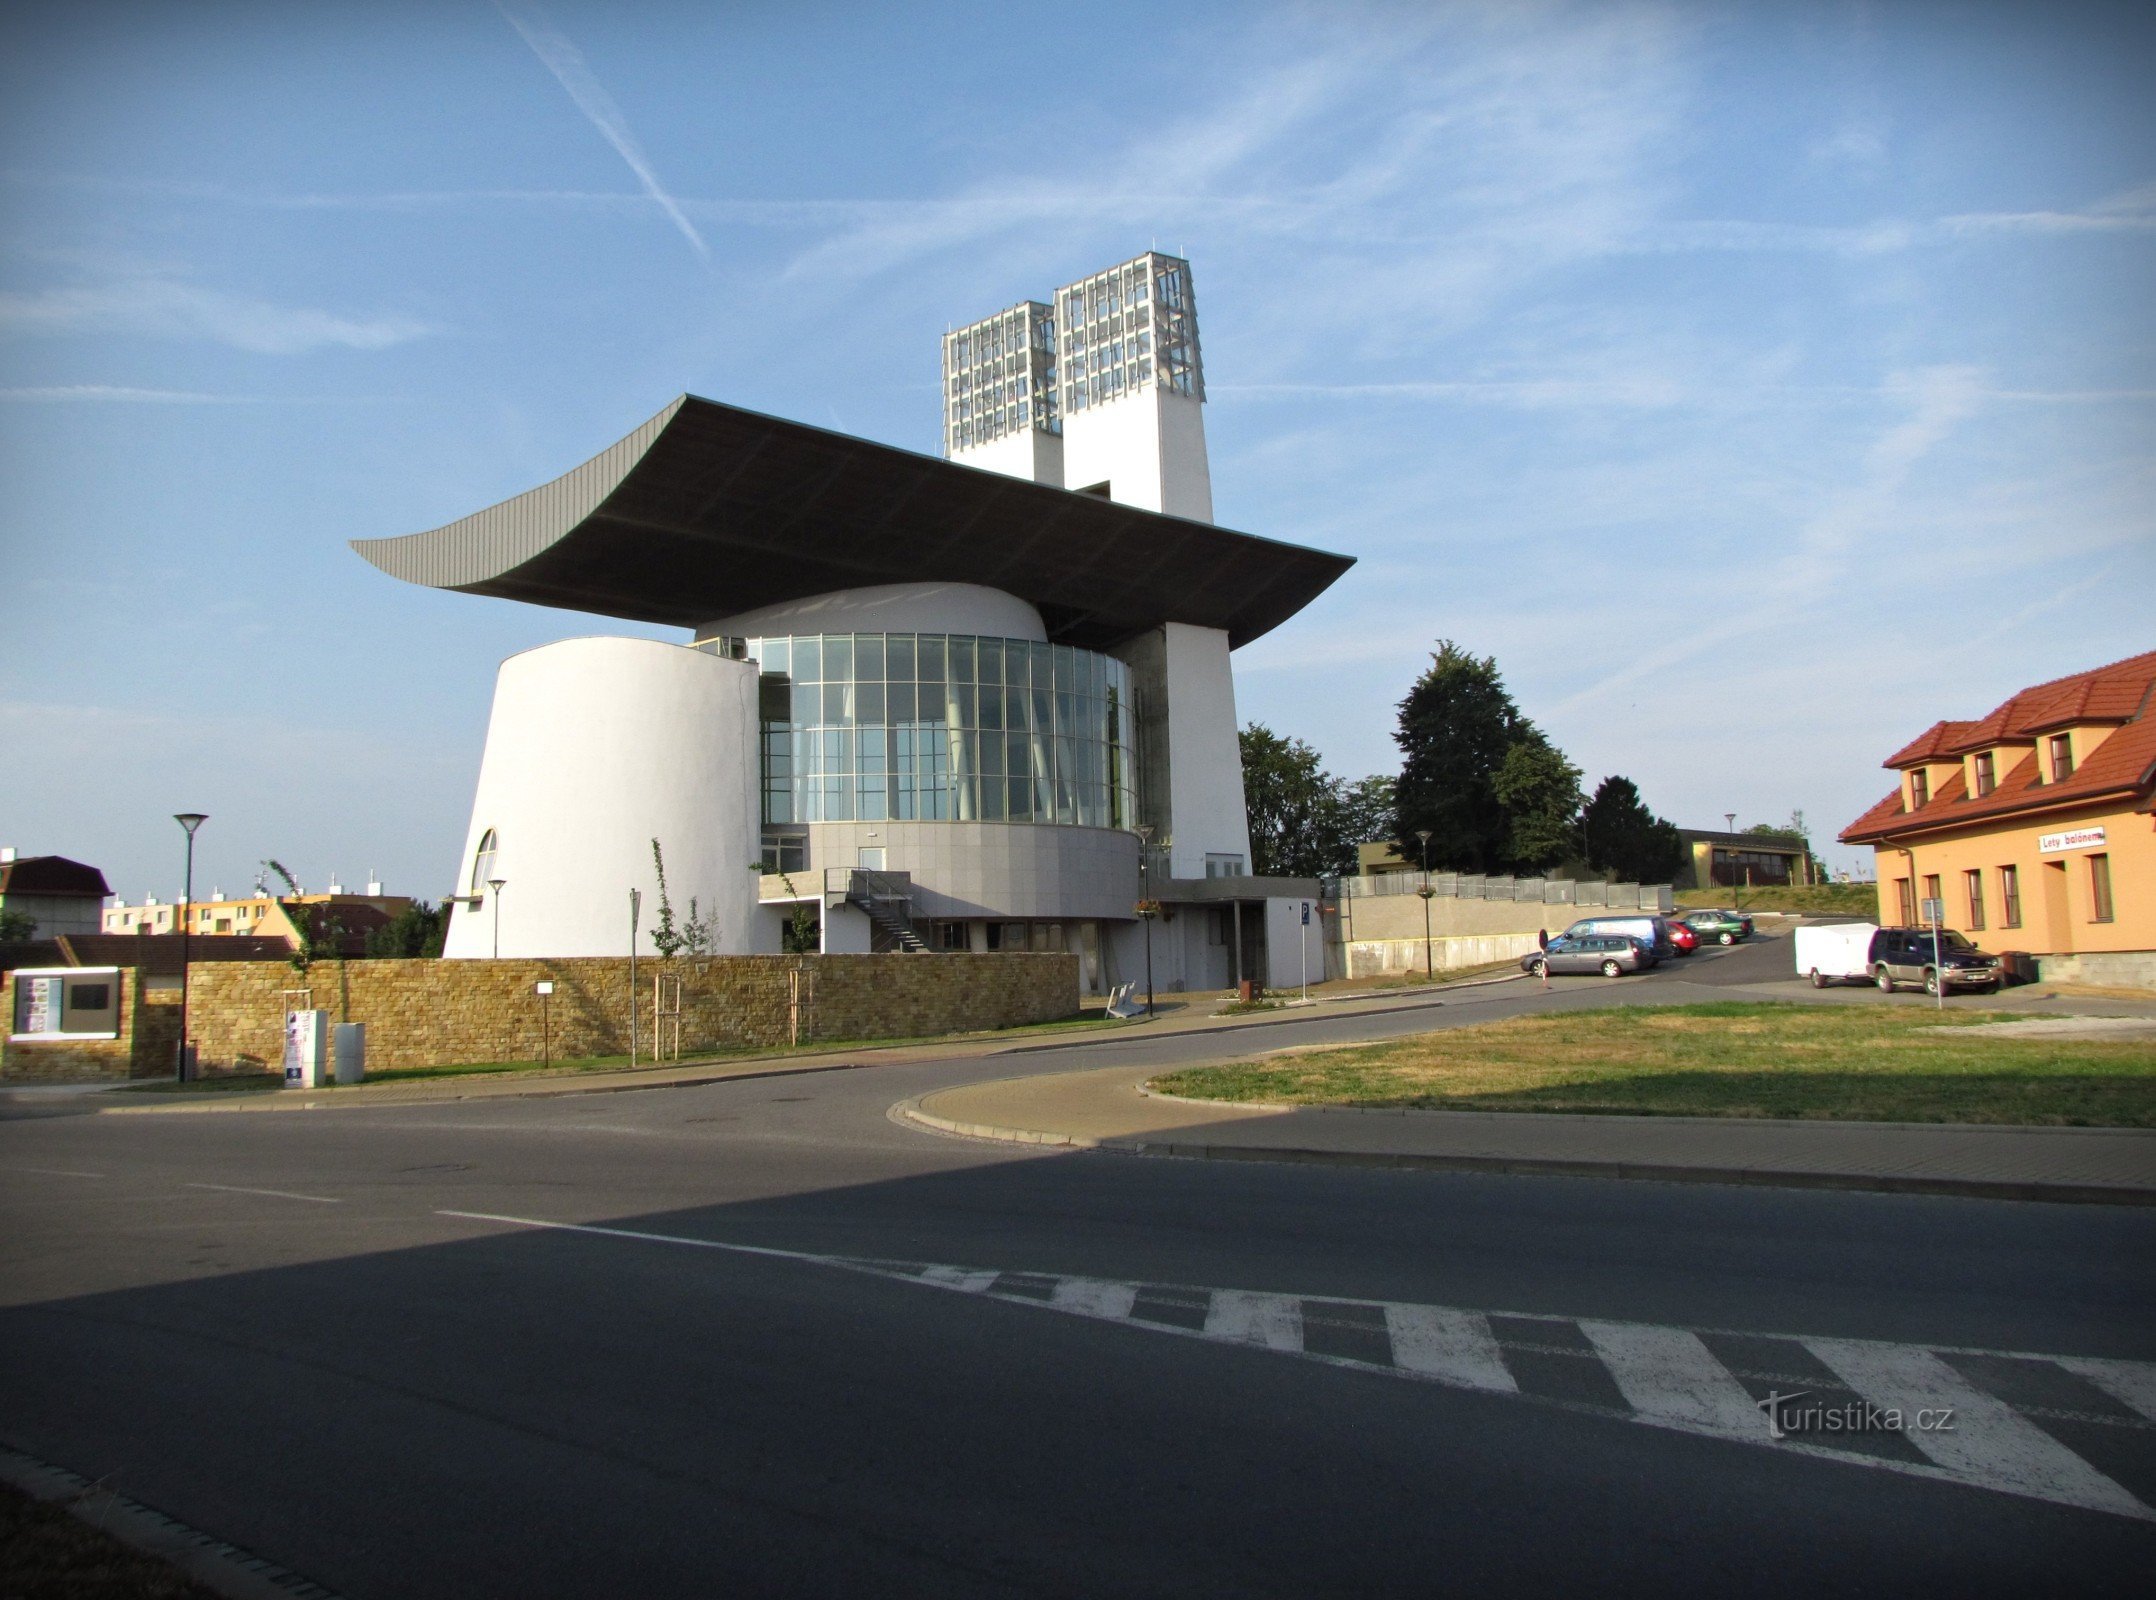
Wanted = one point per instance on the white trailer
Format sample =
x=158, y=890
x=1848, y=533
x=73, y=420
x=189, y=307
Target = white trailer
x=1837, y=950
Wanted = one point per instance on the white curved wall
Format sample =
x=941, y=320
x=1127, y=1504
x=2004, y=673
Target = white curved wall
x=891, y=608
x=595, y=747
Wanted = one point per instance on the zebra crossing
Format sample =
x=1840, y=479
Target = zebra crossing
x=1721, y=1384
x=2075, y=1431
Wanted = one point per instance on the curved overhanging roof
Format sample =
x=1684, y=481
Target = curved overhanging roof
x=707, y=511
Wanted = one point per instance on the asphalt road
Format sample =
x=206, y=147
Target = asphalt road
x=336, y=1338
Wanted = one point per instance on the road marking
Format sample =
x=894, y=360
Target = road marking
x=1989, y=1443
x=55, y=1172
x=1667, y=1372
x=1453, y=1346
x=1272, y=1320
x=274, y=1194
x=2130, y=1381
x=1094, y=1297
x=1667, y=1376
x=964, y=1279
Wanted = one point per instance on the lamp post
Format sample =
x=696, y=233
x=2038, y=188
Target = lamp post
x=1730, y=817
x=1428, y=969
x=189, y=820
x=497, y=884
x=1145, y=907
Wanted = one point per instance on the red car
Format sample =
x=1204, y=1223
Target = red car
x=1684, y=938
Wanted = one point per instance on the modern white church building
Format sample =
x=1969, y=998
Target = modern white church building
x=982, y=703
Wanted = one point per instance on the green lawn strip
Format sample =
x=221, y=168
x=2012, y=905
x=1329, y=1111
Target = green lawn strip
x=1819, y=899
x=46, y=1551
x=1727, y=1059
x=242, y=1082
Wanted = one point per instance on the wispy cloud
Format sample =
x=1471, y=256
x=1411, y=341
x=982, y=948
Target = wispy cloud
x=567, y=63
x=171, y=308
x=115, y=392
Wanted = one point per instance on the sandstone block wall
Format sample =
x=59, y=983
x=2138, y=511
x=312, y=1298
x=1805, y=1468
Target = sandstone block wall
x=441, y=1013
x=146, y=1048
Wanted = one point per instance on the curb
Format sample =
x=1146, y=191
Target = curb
x=235, y=1573
x=272, y=1099
x=1546, y=1167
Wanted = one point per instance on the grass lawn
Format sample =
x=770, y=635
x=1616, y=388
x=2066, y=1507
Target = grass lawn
x=1730, y=1059
x=1819, y=899
x=45, y=1551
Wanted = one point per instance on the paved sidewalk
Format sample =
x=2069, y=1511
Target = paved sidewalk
x=1107, y=1109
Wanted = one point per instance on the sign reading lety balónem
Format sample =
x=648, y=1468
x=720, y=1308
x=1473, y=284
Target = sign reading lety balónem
x=2051, y=844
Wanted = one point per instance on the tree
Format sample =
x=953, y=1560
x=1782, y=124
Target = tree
x=1293, y=804
x=417, y=930
x=1624, y=840
x=17, y=927
x=1540, y=791
x=316, y=930
x=1489, y=786
x=1366, y=808
x=667, y=939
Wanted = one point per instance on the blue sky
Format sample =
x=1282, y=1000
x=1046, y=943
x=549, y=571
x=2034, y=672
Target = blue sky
x=1756, y=382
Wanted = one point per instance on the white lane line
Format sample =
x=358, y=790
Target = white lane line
x=1667, y=1372
x=54, y=1172
x=966, y=1280
x=654, y=1238
x=1989, y=1443
x=1095, y=1297
x=1455, y=1346
x=1272, y=1320
x=274, y=1194
x=2134, y=1382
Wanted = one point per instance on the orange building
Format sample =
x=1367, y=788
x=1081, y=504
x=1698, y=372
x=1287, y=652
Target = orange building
x=2034, y=826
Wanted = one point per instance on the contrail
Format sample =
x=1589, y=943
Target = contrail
x=567, y=63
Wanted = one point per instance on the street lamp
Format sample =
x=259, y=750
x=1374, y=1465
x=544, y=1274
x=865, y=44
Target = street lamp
x=1146, y=907
x=1428, y=970
x=497, y=884
x=189, y=820
x=1730, y=817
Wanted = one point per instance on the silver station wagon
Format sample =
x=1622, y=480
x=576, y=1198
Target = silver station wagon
x=1611, y=954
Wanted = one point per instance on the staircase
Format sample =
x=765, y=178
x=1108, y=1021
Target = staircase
x=886, y=902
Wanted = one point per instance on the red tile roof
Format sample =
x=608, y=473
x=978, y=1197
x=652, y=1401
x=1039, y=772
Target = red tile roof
x=2125, y=765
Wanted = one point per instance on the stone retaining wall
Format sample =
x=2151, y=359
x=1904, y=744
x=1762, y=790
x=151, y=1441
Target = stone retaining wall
x=148, y=1045
x=442, y=1013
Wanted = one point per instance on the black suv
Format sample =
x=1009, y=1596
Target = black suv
x=1908, y=955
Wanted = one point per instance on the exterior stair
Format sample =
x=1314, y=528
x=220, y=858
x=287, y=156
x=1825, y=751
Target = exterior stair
x=886, y=902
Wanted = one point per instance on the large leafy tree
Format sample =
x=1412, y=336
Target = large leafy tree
x=1540, y=791
x=1366, y=808
x=417, y=930
x=1624, y=839
x=1491, y=789
x=1294, y=807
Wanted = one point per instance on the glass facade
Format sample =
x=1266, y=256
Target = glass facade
x=940, y=727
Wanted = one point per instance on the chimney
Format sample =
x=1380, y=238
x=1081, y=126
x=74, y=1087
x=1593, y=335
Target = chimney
x=7, y=853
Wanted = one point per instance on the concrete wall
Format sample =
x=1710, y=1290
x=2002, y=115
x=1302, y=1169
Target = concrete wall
x=1148, y=446
x=2119, y=969
x=1029, y=453
x=1017, y=871
x=1205, y=759
x=891, y=608
x=436, y=1013
x=596, y=747
x=1384, y=933
x=147, y=1046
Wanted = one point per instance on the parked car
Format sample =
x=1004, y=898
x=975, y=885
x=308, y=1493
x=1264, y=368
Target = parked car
x=1680, y=935
x=1610, y=954
x=1723, y=927
x=1650, y=930
x=1909, y=955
